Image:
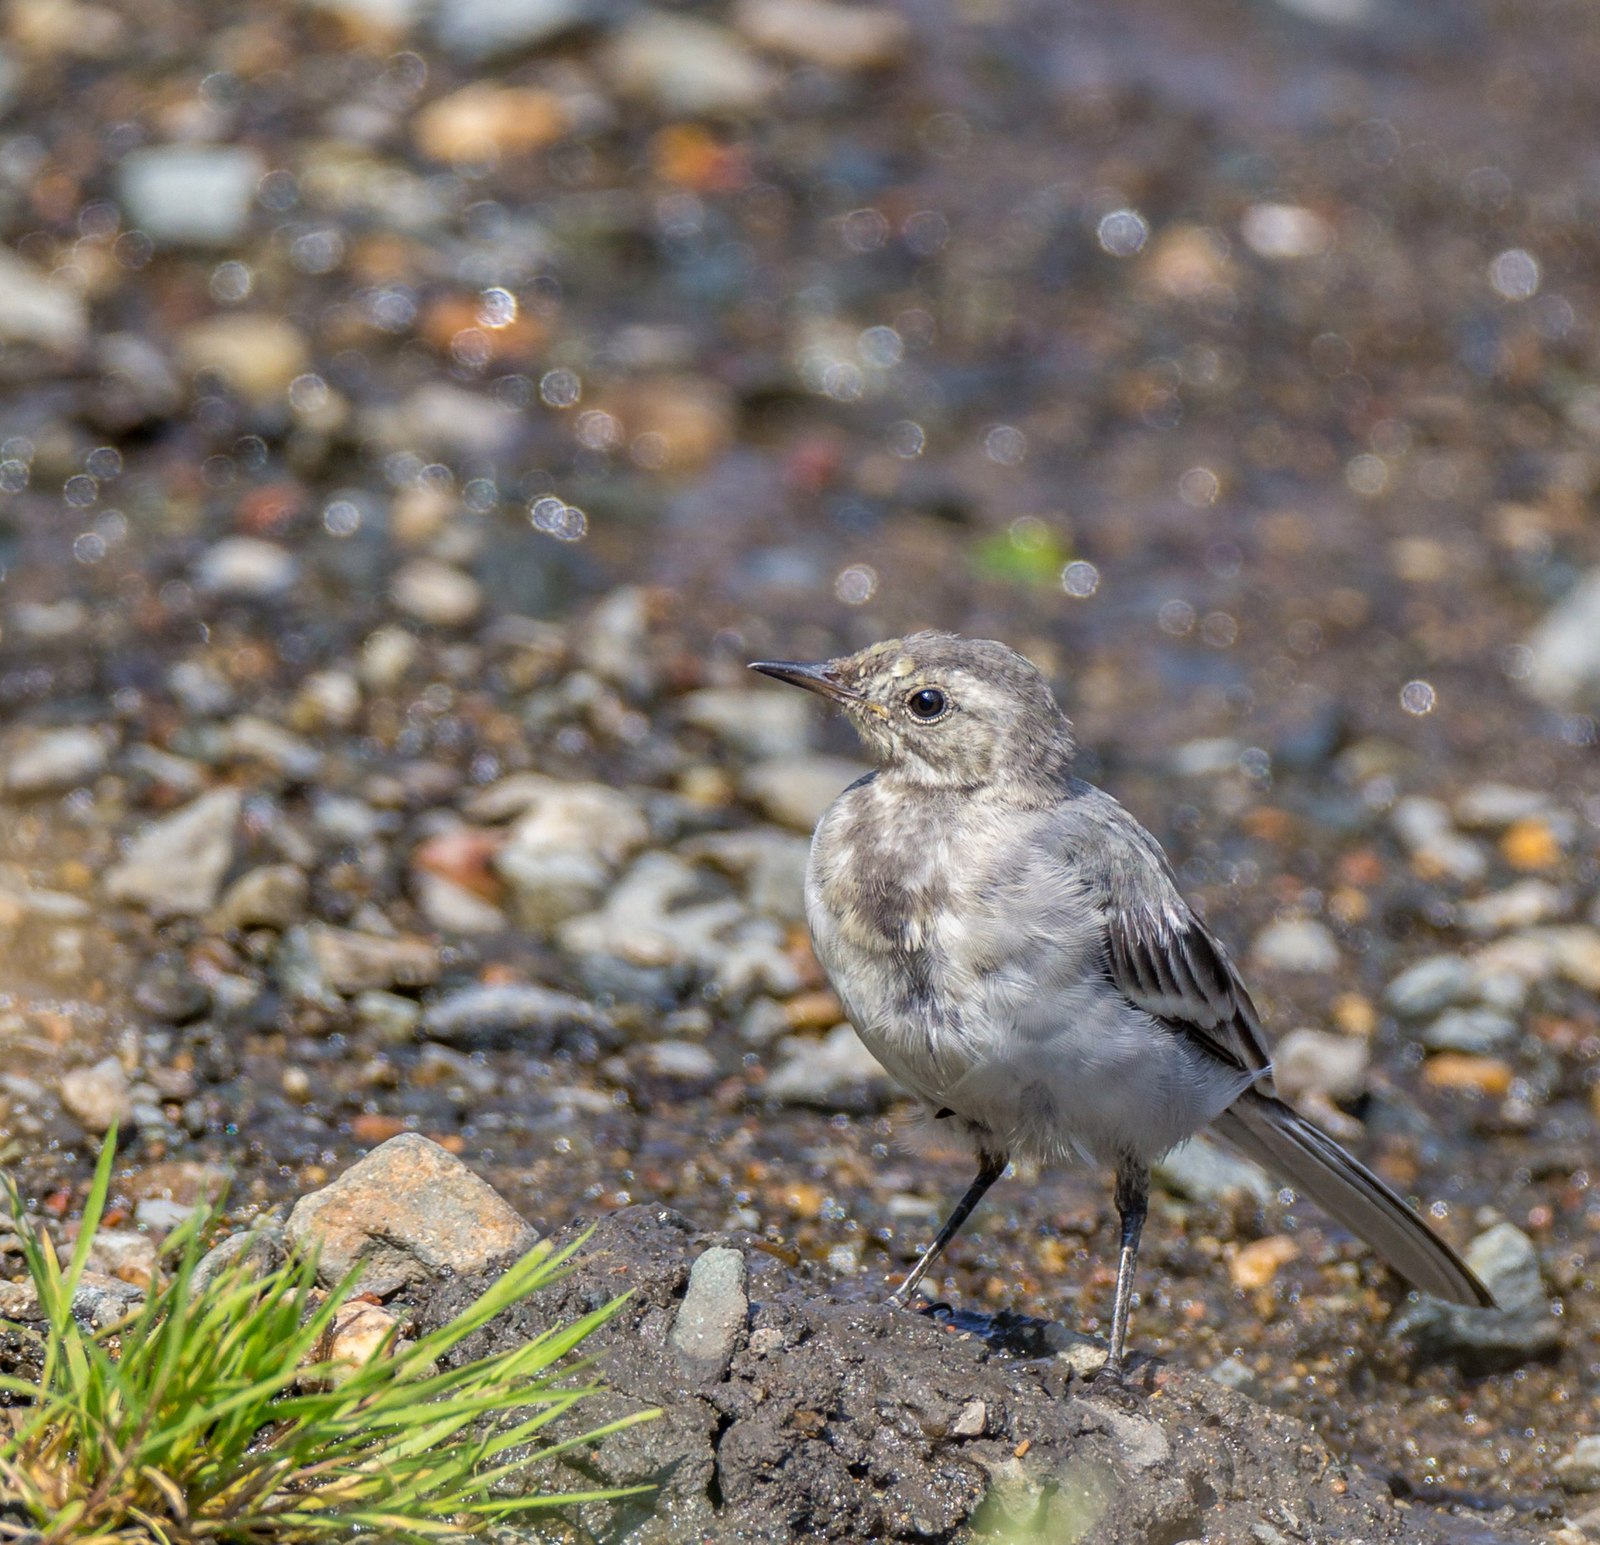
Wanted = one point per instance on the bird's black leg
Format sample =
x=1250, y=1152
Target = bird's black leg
x=991, y=1168
x=1133, y=1200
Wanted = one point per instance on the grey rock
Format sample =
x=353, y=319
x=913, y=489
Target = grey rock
x=770, y=864
x=35, y=310
x=713, y=1313
x=1480, y=1341
x=261, y=1245
x=680, y=1059
x=836, y=1073
x=1207, y=758
x=190, y=195
x=436, y=593
x=1579, y=1468
x=1475, y=1030
x=565, y=847
x=1566, y=648
x=124, y=1253
x=1523, y=905
x=760, y=724
x=51, y=760
x=246, y=566
x=350, y=962
x=1494, y=806
x=1201, y=1171
x=97, y=1096
x=406, y=1212
x=533, y=1018
x=1425, y=827
x=175, y=868
x=161, y=1213
x=1300, y=944
x=394, y=1018
x=250, y=738
x=1312, y=1063
x=1431, y=985
x=452, y=908
x=272, y=896
x=794, y=791
x=683, y=65
x=480, y=30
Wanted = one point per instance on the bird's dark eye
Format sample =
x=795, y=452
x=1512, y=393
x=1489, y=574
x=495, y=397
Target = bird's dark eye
x=927, y=704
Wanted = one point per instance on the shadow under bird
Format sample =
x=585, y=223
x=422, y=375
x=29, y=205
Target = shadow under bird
x=1011, y=945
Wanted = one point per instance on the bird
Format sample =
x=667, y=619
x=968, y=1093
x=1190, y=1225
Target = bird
x=1012, y=945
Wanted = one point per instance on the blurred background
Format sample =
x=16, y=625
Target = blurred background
x=413, y=415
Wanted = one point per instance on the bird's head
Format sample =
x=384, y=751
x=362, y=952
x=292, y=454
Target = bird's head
x=942, y=711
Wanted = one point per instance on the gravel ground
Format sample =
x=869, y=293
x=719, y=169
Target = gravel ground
x=414, y=418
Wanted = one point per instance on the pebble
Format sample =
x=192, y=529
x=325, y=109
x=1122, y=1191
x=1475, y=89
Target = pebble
x=1284, y=232
x=565, y=847
x=1474, y=1030
x=98, y=1096
x=1462, y=1070
x=614, y=641
x=972, y=1420
x=686, y=67
x=1430, y=985
x=436, y=593
x=395, y=1019
x=1494, y=806
x=190, y=195
x=37, y=309
x=477, y=31
x=350, y=962
x=272, y=896
x=1579, y=1468
x=408, y=1211
x=53, y=760
x=713, y=1313
x=1565, y=648
x=770, y=864
x=250, y=738
x=843, y=38
x=1482, y=1341
x=760, y=724
x=360, y=1332
x=386, y=656
x=680, y=1059
x=795, y=790
x=161, y=1213
x=175, y=868
x=1202, y=1171
x=835, y=1073
x=247, y=567
x=453, y=908
x=258, y=356
x=483, y=123
x=1523, y=905
x=1299, y=944
x=532, y=1017
x=1314, y=1064
x=1438, y=850
x=1256, y=1264
x=125, y=1254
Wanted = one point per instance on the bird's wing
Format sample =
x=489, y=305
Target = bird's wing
x=1161, y=956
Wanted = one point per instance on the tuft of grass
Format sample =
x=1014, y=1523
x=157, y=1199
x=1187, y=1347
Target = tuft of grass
x=212, y=1414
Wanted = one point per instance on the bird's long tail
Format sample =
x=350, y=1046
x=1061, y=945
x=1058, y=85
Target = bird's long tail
x=1268, y=1131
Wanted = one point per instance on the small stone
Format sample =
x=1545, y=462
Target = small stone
x=436, y=593
x=1477, y=1075
x=477, y=31
x=971, y=1420
x=614, y=641
x=532, y=1018
x=351, y=962
x=844, y=38
x=452, y=908
x=190, y=195
x=162, y=1213
x=712, y=1315
x=1201, y=1171
x=1190, y=262
x=1284, y=232
x=673, y=423
x=483, y=124
x=1494, y=806
x=327, y=700
x=260, y=1246
x=823, y=1073
x=394, y=1018
x=250, y=738
x=386, y=656
x=360, y=1332
x=1259, y=1262
x=566, y=846
x=1438, y=851
x=1565, y=648
x=175, y=868
x=795, y=790
x=37, y=309
x=1523, y=905
x=256, y=354
x=680, y=1059
x=761, y=724
x=1431, y=985
x=245, y=566
x=409, y=1211
x=1313, y=1064
x=273, y=896
x=684, y=66
x=1579, y=1468
x=98, y=1096
x=1531, y=844
x=125, y=1254
x=1296, y=944
x=1474, y=1030
x=51, y=760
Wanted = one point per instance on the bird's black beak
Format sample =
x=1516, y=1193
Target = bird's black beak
x=814, y=678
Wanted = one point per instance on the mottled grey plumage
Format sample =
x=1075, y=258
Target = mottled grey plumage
x=1012, y=946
